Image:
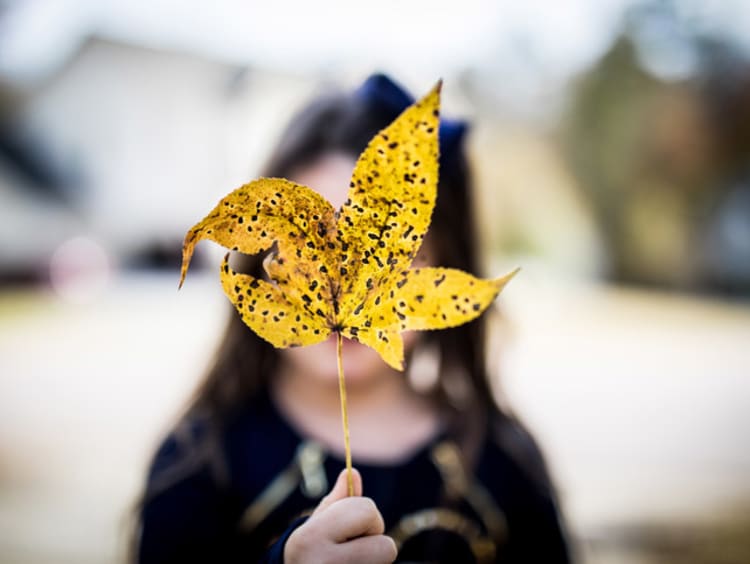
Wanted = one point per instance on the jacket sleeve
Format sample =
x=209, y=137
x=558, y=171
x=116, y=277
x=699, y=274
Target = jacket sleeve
x=184, y=515
x=188, y=514
x=275, y=553
x=517, y=472
x=537, y=534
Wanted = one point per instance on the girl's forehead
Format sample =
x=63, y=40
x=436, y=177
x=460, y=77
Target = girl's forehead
x=329, y=175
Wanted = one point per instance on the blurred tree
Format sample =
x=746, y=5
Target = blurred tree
x=659, y=155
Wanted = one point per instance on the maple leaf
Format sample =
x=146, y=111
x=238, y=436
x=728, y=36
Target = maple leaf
x=347, y=271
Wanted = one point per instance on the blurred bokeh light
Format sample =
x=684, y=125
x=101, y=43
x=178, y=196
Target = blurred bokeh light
x=611, y=150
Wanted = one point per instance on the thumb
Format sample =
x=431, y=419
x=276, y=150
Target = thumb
x=340, y=490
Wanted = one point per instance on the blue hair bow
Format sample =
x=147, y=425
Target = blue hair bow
x=380, y=90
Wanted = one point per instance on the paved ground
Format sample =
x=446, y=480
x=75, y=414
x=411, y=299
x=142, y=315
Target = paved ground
x=641, y=401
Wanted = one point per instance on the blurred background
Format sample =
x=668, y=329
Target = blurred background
x=611, y=149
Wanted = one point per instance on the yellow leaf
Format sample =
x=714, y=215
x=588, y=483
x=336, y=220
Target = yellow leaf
x=302, y=224
x=348, y=271
x=267, y=311
x=438, y=298
x=390, y=201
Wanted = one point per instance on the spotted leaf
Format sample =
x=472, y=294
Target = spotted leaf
x=438, y=298
x=389, y=204
x=267, y=311
x=348, y=271
x=298, y=220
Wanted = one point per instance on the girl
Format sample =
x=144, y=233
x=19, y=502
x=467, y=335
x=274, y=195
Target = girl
x=448, y=475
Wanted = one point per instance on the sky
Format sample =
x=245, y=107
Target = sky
x=335, y=35
x=521, y=49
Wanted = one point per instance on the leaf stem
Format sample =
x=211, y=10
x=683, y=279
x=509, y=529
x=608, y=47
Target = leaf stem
x=344, y=415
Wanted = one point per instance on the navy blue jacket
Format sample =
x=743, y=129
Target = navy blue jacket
x=235, y=494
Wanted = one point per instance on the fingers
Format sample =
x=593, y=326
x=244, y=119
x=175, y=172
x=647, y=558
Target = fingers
x=305, y=546
x=352, y=517
x=342, y=529
x=340, y=490
x=376, y=548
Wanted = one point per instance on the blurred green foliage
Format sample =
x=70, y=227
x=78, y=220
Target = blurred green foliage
x=661, y=158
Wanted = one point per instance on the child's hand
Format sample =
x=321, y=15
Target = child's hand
x=342, y=529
